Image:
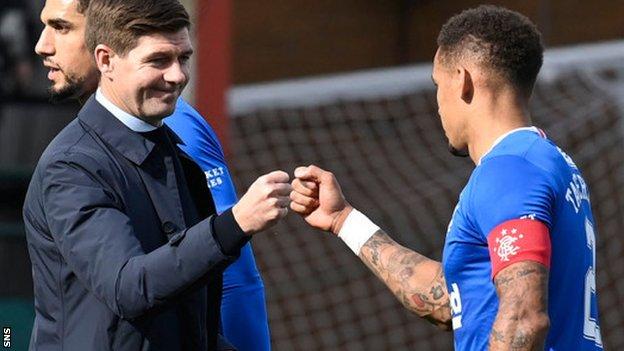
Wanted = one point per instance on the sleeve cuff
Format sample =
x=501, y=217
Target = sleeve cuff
x=229, y=234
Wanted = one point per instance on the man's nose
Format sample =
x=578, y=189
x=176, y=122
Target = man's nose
x=45, y=44
x=176, y=74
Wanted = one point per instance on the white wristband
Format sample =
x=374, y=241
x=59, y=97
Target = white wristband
x=356, y=230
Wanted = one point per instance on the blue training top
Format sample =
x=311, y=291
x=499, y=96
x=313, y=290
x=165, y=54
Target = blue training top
x=525, y=175
x=243, y=308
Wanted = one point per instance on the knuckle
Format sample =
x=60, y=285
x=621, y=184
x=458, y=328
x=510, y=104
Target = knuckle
x=284, y=191
x=327, y=176
x=274, y=214
x=272, y=201
x=283, y=175
x=295, y=184
x=267, y=190
x=299, y=187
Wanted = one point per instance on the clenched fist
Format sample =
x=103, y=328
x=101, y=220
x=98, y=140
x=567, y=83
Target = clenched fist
x=317, y=197
x=264, y=204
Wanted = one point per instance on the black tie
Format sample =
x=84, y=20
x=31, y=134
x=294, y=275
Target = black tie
x=159, y=137
x=166, y=149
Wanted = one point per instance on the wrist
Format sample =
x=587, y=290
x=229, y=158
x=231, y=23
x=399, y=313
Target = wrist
x=240, y=221
x=228, y=234
x=356, y=230
x=340, y=219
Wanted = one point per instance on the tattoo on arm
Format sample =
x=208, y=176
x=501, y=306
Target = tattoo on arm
x=522, y=319
x=417, y=281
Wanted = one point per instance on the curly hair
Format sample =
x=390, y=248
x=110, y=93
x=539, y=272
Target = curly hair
x=498, y=38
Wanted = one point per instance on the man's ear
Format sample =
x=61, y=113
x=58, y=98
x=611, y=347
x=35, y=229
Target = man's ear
x=104, y=59
x=467, y=88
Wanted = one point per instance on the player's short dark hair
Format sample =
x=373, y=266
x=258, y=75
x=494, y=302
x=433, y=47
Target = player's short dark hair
x=503, y=40
x=82, y=6
x=120, y=23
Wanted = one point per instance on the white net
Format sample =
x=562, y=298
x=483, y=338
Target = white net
x=379, y=132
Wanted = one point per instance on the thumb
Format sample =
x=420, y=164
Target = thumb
x=312, y=173
x=277, y=177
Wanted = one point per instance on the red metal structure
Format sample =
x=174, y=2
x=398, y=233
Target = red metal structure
x=213, y=63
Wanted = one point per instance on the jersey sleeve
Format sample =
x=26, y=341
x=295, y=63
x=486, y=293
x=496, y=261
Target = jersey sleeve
x=509, y=188
x=202, y=144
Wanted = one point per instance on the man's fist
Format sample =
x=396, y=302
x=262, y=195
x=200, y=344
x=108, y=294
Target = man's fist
x=264, y=204
x=317, y=197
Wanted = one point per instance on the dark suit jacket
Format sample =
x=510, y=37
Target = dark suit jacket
x=121, y=259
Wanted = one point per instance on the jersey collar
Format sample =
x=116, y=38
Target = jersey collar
x=500, y=138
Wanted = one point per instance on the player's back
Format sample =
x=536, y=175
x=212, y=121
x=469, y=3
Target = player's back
x=572, y=301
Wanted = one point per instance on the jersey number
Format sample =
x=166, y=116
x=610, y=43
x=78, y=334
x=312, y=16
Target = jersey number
x=591, y=329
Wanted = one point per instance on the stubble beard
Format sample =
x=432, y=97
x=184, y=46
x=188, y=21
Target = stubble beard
x=458, y=152
x=72, y=89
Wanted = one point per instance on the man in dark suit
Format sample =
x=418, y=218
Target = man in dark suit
x=126, y=248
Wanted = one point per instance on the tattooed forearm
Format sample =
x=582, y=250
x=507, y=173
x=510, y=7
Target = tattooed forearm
x=497, y=336
x=417, y=281
x=522, y=320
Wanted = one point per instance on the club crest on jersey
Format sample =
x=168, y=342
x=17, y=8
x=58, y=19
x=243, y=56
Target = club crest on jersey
x=506, y=243
x=518, y=240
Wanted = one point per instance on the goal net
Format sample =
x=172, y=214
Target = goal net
x=379, y=132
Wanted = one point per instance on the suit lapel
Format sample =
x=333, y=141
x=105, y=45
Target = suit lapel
x=157, y=173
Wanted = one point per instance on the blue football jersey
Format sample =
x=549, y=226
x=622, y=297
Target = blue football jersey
x=524, y=175
x=243, y=308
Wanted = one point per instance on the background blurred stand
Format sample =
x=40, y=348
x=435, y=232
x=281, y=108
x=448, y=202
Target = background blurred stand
x=22, y=75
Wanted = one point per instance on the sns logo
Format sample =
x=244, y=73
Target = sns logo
x=6, y=342
x=456, y=306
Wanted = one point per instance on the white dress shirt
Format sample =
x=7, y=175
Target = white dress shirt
x=134, y=123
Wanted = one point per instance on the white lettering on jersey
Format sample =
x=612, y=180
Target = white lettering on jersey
x=567, y=158
x=213, y=177
x=577, y=192
x=530, y=216
x=456, y=306
x=591, y=327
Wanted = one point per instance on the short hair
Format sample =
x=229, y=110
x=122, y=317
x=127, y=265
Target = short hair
x=503, y=40
x=82, y=6
x=120, y=23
